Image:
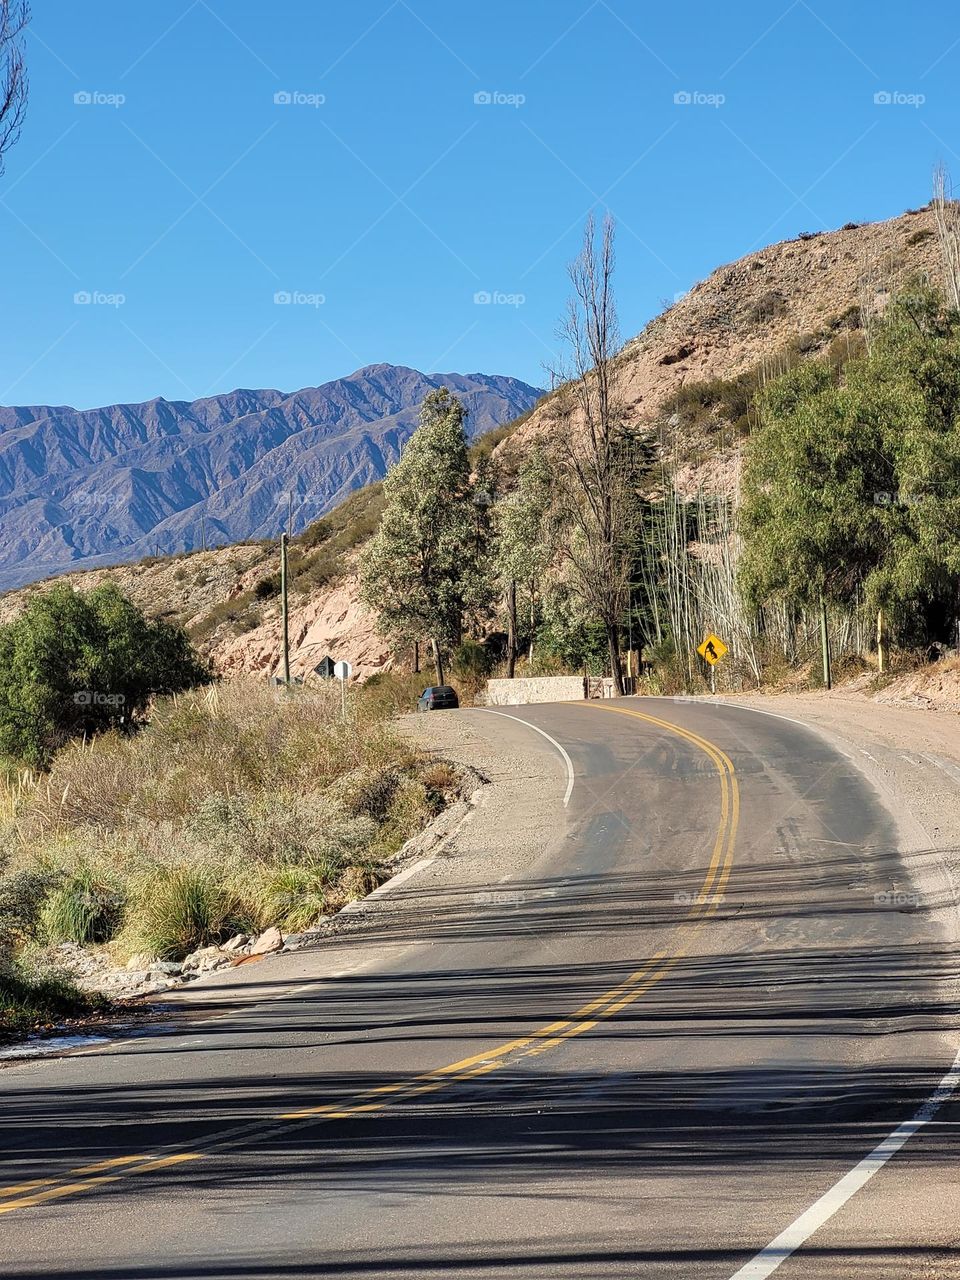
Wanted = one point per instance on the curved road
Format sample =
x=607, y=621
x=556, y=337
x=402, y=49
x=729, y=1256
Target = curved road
x=706, y=1033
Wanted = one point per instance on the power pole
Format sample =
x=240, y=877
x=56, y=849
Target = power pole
x=203, y=532
x=283, y=609
x=825, y=644
x=630, y=633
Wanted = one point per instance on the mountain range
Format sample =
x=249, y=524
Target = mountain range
x=87, y=488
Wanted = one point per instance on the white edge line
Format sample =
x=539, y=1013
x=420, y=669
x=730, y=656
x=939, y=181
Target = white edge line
x=788, y=1241
x=571, y=776
x=382, y=890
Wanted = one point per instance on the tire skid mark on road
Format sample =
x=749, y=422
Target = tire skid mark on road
x=377, y=1099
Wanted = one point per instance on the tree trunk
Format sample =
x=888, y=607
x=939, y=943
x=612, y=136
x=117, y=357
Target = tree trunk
x=416, y=657
x=511, y=629
x=616, y=668
x=438, y=661
x=533, y=622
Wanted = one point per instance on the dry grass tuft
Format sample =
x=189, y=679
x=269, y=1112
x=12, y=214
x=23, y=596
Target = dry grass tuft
x=238, y=807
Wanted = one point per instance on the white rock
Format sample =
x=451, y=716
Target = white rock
x=271, y=940
x=136, y=978
x=205, y=959
x=237, y=942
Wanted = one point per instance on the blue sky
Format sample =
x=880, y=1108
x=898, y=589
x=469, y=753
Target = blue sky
x=382, y=197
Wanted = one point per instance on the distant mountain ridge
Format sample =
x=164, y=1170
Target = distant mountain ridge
x=84, y=488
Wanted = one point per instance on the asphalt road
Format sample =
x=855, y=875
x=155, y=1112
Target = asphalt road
x=664, y=1048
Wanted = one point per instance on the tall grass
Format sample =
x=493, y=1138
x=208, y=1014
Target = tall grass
x=238, y=807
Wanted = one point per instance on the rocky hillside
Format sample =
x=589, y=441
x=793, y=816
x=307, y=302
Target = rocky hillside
x=80, y=489
x=792, y=299
x=797, y=297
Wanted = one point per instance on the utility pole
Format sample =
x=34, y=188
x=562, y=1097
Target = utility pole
x=203, y=532
x=630, y=633
x=825, y=644
x=283, y=609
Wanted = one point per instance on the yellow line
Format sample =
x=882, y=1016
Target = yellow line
x=658, y=967
x=72, y=1188
x=85, y=1169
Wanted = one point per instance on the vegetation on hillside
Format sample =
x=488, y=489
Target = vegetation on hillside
x=852, y=486
x=237, y=807
x=851, y=495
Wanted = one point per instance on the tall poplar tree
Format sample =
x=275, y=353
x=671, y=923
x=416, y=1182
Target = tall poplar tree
x=419, y=573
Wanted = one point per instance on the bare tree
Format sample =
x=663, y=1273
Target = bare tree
x=596, y=483
x=947, y=213
x=14, y=16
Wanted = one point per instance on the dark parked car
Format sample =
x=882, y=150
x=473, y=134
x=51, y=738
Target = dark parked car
x=439, y=697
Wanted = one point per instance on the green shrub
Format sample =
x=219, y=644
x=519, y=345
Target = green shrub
x=29, y=999
x=291, y=896
x=472, y=661
x=183, y=908
x=21, y=899
x=74, y=665
x=267, y=587
x=85, y=906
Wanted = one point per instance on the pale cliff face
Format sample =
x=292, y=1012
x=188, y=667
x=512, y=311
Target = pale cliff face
x=332, y=622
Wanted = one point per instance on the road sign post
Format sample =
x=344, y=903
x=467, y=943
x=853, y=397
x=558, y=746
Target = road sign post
x=711, y=651
x=343, y=671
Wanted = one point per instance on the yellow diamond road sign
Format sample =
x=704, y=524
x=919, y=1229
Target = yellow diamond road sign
x=712, y=649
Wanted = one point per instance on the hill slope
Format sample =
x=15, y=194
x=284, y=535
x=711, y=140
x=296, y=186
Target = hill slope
x=80, y=488
x=798, y=296
x=802, y=294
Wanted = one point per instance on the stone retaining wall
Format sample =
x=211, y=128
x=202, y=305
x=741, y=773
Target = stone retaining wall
x=514, y=693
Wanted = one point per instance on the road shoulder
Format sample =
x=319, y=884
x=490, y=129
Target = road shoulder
x=513, y=815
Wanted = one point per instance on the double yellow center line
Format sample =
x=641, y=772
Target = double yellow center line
x=608, y=1005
